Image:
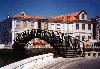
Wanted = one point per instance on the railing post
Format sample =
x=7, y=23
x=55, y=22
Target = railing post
x=83, y=50
x=75, y=42
x=68, y=44
x=62, y=35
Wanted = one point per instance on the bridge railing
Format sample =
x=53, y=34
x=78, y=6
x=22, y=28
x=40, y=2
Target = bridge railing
x=76, y=44
x=59, y=43
x=31, y=62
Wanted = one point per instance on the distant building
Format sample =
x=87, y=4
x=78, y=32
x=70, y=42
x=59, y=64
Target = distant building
x=74, y=24
x=99, y=32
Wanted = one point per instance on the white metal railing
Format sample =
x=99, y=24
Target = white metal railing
x=32, y=62
x=92, y=54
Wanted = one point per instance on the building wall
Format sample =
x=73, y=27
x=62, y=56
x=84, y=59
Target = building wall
x=53, y=26
x=21, y=26
x=80, y=28
x=16, y=26
x=63, y=27
x=70, y=29
x=80, y=32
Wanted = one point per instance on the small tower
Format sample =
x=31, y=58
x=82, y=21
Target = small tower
x=23, y=13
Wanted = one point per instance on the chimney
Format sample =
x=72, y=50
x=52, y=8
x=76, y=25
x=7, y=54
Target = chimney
x=8, y=16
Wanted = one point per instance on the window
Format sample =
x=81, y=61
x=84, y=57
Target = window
x=58, y=28
x=77, y=37
x=52, y=24
x=83, y=37
x=83, y=26
x=17, y=25
x=89, y=26
x=25, y=24
x=82, y=16
x=58, y=24
x=32, y=25
x=89, y=37
x=17, y=20
x=24, y=21
x=39, y=25
x=77, y=26
x=46, y=26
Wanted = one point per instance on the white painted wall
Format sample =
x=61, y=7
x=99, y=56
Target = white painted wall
x=35, y=25
x=80, y=28
x=53, y=27
x=49, y=26
x=70, y=28
x=81, y=32
x=62, y=27
x=13, y=29
x=65, y=27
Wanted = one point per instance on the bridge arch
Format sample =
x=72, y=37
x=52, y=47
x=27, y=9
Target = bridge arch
x=56, y=42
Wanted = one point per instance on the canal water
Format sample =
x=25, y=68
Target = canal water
x=7, y=56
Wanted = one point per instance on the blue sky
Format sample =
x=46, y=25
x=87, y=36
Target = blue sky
x=48, y=7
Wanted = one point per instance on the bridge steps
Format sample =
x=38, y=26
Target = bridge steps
x=72, y=53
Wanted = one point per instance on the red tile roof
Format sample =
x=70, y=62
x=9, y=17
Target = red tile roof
x=66, y=17
x=19, y=15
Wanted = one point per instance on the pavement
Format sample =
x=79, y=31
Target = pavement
x=71, y=63
x=88, y=63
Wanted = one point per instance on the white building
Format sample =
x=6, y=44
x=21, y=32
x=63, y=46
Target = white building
x=12, y=26
x=74, y=24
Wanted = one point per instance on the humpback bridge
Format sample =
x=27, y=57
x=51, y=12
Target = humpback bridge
x=64, y=45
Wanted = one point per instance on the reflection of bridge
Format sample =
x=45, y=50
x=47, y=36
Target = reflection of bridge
x=64, y=45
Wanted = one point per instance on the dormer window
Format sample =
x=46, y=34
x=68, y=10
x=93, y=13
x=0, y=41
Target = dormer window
x=82, y=16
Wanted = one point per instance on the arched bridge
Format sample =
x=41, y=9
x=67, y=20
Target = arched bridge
x=64, y=45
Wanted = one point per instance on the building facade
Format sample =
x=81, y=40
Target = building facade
x=12, y=26
x=74, y=24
